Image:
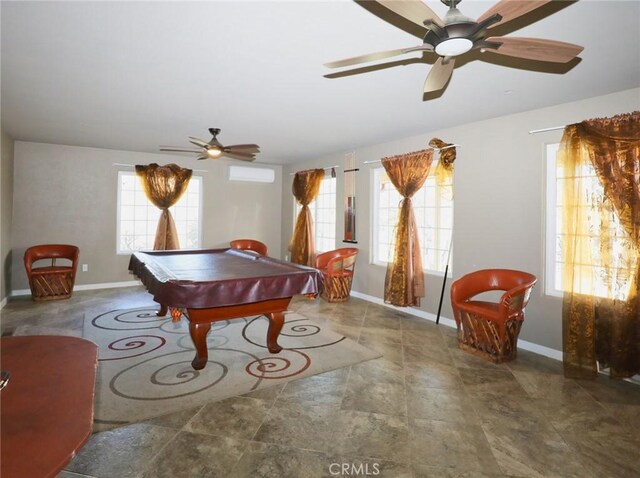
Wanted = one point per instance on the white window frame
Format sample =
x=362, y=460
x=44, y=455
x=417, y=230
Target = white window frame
x=551, y=150
x=314, y=212
x=552, y=233
x=121, y=173
x=375, y=201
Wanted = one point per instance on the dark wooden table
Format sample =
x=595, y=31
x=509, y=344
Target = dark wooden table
x=222, y=284
x=47, y=406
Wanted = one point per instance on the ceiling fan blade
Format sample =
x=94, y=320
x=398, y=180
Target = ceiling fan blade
x=198, y=142
x=246, y=154
x=178, y=150
x=247, y=147
x=375, y=67
x=413, y=10
x=201, y=157
x=240, y=153
x=536, y=49
x=511, y=9
x=439, y=75
x=241, y=158
x=356, y=60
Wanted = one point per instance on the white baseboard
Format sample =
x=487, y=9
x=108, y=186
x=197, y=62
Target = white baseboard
x=408, y=310
x=523, y=344
x=104, y=285
x=3, y=302
x=540, y=349
x=108, y=285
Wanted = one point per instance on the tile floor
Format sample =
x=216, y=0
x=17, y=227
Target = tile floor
x=425, y=409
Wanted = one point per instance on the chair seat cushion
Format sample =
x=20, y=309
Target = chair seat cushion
x=51, y=270
x=482, y=308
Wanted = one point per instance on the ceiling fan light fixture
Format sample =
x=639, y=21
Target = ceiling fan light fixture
x=214, y=152
x=454, y=46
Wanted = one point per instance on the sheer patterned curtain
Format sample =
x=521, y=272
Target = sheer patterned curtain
x=306, y=186
x=601, y=321
x=404, y=281
x=164, y=186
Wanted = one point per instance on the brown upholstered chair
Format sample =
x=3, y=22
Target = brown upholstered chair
x=52, y=281
x=490, y=329
x=337, y=267
x=249, y=245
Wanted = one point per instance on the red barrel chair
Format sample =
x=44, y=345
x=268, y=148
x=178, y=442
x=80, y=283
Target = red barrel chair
x=249, y=245
x=337, y=267
x=490, y=329
x=52, y=281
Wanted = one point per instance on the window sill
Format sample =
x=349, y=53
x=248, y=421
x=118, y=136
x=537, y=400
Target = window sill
x=554, y=293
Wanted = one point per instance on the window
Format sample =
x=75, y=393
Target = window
x=594, y=280
x=433, y=209
x=323, y=210
x=138, y=218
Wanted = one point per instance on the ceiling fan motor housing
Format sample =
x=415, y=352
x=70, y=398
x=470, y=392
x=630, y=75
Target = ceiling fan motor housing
x=459, y=27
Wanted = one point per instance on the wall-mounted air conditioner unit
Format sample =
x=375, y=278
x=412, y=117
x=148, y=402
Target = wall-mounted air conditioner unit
x=251, y=174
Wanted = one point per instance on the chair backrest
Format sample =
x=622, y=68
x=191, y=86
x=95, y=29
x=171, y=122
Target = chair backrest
x=51, y=251
x=337, y=261
x=249, y=245
x=517, y=284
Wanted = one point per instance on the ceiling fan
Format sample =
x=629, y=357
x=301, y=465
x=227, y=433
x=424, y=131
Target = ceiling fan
x=214, y=149
x=456, y=34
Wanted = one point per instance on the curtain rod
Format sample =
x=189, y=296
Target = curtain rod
x=133, y=166
x=312, y=169
x=544, y=130
x=435, y=149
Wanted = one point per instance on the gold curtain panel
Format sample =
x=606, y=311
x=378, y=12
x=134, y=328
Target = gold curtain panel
x=305, y=188
x=404, y=281
x=164, y=186
x=601, y=322
x=444, y=168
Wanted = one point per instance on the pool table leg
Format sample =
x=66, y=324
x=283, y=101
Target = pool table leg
x=198, y=332
x=276, y=321
x=163, y=311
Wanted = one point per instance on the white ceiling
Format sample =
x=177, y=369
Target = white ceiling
x=136, y=75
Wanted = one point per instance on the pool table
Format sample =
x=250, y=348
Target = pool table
x=222, y=284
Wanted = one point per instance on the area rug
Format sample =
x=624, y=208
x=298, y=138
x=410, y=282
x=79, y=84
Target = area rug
x=145, y=368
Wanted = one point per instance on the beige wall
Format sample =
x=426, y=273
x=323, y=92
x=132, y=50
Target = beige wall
x=499, y=202
x=68, y=194
x=6, y=211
